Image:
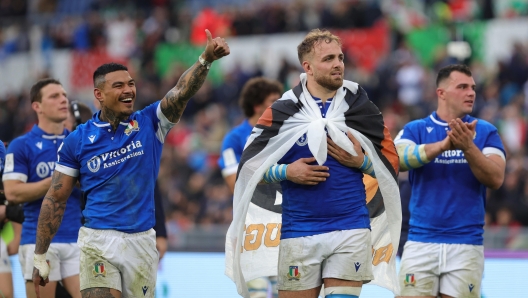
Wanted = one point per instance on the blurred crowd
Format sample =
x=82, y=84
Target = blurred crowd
x=191, y=185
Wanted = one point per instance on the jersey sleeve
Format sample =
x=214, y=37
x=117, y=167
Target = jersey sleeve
x=67, y=161
x=408, y=135
x=17, y=164
x=493, y=144
x=230, y=155
x=161, y=124
x=2, y=156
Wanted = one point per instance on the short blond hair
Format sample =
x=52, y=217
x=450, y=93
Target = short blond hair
x=313, y=38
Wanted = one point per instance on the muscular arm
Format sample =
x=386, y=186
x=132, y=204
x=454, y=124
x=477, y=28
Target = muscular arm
x=489, y=170
x=173, y=104
x=18, y=192
x=52, y=210
x=434, y=149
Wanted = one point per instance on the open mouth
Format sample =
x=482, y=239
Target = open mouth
x=126, y=100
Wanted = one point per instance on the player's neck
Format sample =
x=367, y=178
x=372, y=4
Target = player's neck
x=319, y=91
x=253, y=120
x=107, y=115
x=447, y=114
x=50, y=127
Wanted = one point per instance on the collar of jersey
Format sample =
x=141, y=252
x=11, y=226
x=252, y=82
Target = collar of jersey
x=97, y=122
x=434, y=117
x=38, y=131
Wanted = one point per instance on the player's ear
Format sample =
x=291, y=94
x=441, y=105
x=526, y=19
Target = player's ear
x=307, y=67
x=440, y=93
x=98, y=94
x=36, y=106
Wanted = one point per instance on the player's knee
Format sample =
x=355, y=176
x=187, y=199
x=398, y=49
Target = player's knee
x=342, y=292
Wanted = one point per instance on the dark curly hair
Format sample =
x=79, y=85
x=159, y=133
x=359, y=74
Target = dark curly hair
x=255, y=92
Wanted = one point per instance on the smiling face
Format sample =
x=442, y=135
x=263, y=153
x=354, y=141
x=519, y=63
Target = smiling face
x=325, y=64
x=457, y=93
x=117, y=93
x=53, y=105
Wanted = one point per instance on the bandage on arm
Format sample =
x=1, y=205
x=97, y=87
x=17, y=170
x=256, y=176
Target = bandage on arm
x=42, y=265
x=411, y=156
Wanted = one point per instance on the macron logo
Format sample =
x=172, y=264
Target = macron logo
x=357, y=265
x=91, y=138
x=429, y=129
x=39, y=145
x=145, y=289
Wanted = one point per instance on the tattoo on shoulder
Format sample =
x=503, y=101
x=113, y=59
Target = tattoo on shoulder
x=96, y=293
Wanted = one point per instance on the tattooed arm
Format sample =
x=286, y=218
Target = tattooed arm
x=173, y=104
x=51, y=214
x=52, y=209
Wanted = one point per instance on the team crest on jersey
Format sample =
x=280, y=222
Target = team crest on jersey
x=293, y=273
x=409, y=280
x=302, y=141
x=39, y=145
x=99, y=270
x=132, y=126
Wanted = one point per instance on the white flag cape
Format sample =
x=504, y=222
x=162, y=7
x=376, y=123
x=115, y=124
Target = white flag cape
x=252, y=241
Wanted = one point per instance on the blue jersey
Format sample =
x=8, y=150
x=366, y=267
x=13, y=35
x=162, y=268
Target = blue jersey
x=2, y=156
x=31, y=158
x=339, y=203
x=232, y=148
x=117, y=169
x=447, y=201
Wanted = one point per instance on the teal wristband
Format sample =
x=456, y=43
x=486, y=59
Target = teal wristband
x=275, y=173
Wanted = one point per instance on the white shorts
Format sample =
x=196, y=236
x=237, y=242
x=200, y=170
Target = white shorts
x=305, y=261
x=428, y=269
x=5, y=264
x=122, y=261
x=63, y=260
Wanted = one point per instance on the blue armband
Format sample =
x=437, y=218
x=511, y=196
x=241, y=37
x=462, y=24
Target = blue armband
x=275, y=173
x=367, y=167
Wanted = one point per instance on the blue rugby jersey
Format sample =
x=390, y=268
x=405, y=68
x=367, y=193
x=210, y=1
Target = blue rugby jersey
x=2, y=156
x=447, y=201
x=117, y=170
x=31, y=158
x=232, y=148
x=339, y=203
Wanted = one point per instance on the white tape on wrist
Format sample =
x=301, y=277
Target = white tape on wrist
x=42, y=265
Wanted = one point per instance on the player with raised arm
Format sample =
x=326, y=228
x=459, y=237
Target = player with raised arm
x=452, y=158
x=30, y=163
x=116, y=157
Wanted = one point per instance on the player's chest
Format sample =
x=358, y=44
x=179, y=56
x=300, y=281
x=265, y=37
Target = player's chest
x=111, y=150
x=42, y=157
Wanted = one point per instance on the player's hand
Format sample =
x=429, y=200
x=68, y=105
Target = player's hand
x=446, y=144
x=301, y=172
x=215, y=48
x=38, y=281
x=461, y=134
x=344, y=157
